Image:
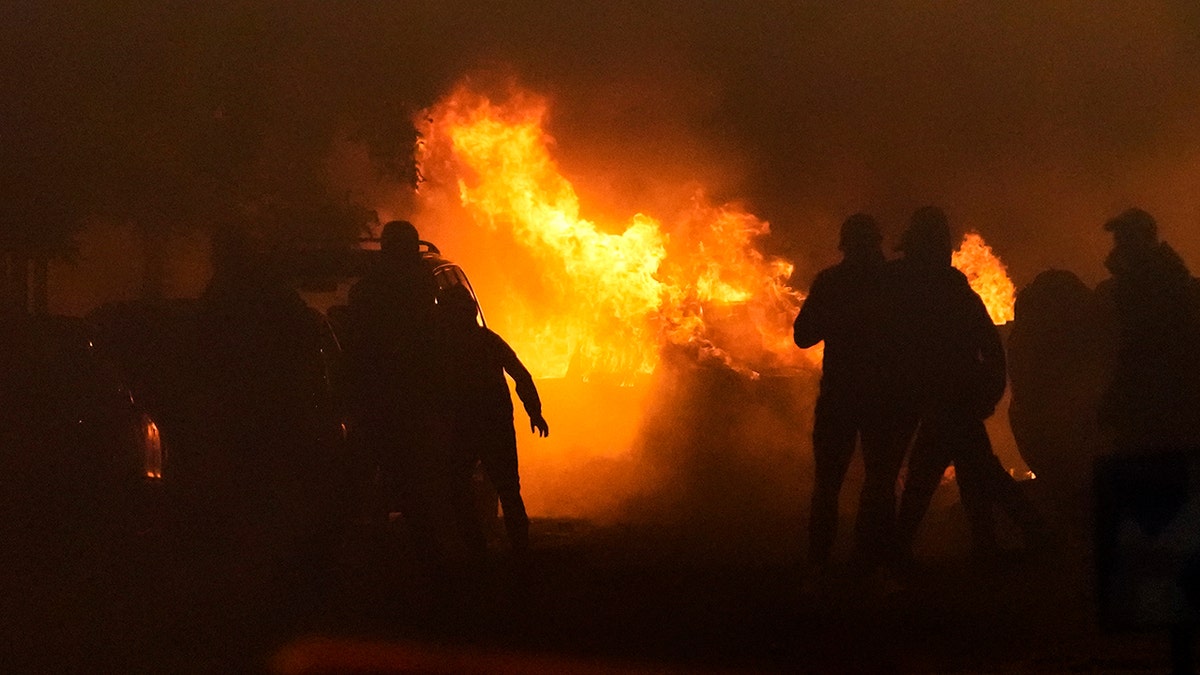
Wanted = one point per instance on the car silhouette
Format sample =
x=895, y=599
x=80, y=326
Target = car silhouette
x=78, y=453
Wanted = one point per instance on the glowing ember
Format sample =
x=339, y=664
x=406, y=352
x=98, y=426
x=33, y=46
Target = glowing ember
x=988, y=277
x=604, y=298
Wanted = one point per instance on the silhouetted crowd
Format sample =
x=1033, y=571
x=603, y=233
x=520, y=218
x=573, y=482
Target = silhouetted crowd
x=914, y=365
x=429, y=402
x=278, y=429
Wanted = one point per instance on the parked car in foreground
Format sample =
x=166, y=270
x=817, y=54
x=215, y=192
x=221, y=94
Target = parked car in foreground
x=78, y=453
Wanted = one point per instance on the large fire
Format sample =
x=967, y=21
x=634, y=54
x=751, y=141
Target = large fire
x=606, y=300
x=610, y=296
x=988, y=277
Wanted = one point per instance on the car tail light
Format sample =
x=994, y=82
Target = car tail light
x=152, y=450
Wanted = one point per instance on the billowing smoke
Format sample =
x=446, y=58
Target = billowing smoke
x=1031, y=124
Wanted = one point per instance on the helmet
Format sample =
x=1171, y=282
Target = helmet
x=927, y=235
x=399, y=237
x=859, y=232
x=1133, y=226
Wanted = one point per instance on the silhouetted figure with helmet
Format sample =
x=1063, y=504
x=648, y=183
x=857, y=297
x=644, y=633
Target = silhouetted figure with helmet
x=1151, y=414
x=1152, y=303
x=952, y=364
x=481, y=415
x=392, y=369
x=845, y=308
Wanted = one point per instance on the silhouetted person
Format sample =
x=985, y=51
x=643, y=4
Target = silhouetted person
x=1153, y=306
x=481, y=412
x=1057, y=373
x=252, y=448
x=845, y=309
x=952, y=362
x=392, y=368
x=265, y=401
x=1151, y=410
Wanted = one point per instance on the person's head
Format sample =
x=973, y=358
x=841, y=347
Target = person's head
x=1133, y=228
x=399, y=241
x=860, y=237
x=1054, y=296
x=927, y=237
x=457, y=305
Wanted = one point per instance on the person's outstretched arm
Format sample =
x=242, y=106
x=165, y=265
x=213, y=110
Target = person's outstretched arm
x=526, y=390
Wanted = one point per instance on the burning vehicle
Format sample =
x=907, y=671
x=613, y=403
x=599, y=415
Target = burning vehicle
x=634, y=308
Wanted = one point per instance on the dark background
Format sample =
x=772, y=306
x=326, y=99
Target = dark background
x=1030, y=123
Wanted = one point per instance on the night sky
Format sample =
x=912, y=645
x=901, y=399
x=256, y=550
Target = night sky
x=1032, y=123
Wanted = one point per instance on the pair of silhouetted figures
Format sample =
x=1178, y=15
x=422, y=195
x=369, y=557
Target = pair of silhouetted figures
x=913, y=367
x=428, y=396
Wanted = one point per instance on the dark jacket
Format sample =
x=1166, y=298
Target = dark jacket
x=846, y=309
x=950, y=353
x=1153, y=305
x=391, y=355
x=476, y=361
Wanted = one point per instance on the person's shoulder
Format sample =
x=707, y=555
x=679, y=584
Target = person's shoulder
x=953, y=281
x=834, y=275
x=826, y=275
x=492, y=337
x=953, y=275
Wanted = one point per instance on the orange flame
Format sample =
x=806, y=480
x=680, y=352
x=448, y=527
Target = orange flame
x=604, y=299
x=988, y=277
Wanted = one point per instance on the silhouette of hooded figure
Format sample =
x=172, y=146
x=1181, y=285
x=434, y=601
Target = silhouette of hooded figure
x=1150, y=409
x=266, y=393
x=255, y=455
x=1153, y=307
x=481, y=413
x=392, y=368
x=1057, y=373
x=952, y=363
x=845, y=308
x=390, y=311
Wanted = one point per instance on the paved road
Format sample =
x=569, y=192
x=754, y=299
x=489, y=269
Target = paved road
x=590, y=598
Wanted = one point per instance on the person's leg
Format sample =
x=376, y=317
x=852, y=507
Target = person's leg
x=462, y=495
x=986, y=476
x=834, y=432
x=926, y=463
x=971, y=454
x=883, y=445
x=500, y=464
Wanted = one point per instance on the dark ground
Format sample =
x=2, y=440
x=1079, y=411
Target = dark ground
x=590, y=598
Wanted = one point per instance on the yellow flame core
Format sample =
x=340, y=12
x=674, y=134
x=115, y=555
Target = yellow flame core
x=988, y=277
x=611, y=297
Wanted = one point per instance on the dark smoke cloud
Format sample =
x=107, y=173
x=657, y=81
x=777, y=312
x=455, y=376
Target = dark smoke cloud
x=1031, y=123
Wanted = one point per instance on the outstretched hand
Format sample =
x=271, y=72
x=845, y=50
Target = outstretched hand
x=537, y=424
